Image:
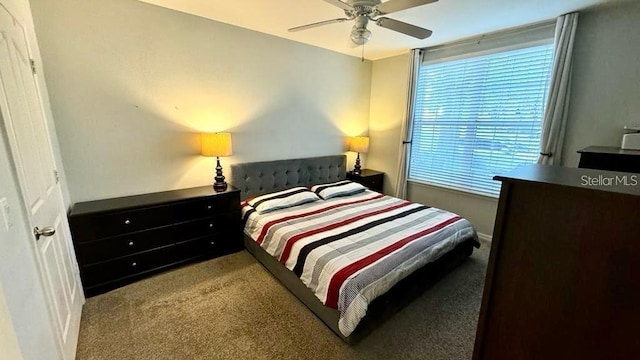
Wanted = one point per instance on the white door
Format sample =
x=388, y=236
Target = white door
x=22, y=112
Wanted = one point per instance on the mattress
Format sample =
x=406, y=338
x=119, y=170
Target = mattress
x=350, y=250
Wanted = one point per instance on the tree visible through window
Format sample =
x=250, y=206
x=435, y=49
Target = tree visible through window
x=479, y=116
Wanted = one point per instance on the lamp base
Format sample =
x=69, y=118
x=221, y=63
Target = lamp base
x=220, y=184
x=357, y=169
x=219, y=187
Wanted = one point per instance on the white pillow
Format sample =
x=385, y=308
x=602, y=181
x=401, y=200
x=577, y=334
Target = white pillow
x=340, y=188
x=283, y=199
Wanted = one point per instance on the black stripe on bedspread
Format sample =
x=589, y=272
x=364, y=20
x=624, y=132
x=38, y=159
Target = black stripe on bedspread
x=307, y=249
x=280, y=196
x=245, y=218
x=340, y=183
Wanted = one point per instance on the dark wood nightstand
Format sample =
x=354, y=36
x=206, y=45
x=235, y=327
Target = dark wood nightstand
x=119, y=241
x=372, y=179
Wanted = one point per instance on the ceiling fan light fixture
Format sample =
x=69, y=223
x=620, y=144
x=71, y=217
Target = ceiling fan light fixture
x=360, y=36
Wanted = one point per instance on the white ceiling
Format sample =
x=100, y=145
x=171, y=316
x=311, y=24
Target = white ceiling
x=449, y=19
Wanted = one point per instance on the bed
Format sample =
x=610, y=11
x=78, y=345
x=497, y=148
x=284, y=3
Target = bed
x=274, y=239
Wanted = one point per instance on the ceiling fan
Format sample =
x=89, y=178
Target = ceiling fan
x=363, y=11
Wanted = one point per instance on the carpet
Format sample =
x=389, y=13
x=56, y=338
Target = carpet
x=232, y=308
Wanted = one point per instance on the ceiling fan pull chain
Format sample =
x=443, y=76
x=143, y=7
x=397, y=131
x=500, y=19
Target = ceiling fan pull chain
x=362, y=56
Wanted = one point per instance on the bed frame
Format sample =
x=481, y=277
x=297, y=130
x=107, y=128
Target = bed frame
x=263, y=177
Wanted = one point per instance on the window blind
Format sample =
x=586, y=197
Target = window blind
x=479, y=116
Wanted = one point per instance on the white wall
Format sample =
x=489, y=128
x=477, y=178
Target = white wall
x=605, y=88
x=132, y=85
x=606, y=78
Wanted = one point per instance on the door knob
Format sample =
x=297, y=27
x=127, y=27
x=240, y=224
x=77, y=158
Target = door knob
x=48, y=231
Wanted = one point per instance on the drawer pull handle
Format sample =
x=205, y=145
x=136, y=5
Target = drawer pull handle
x=210, y=225
x=127, y=222
x=212, y=243
x=134, y=264
x=208, y=207
x=130, y=243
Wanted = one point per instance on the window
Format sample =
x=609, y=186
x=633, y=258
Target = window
x=478, y=116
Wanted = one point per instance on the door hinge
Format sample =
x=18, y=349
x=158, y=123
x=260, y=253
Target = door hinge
x=33, y=66
x=56, y=176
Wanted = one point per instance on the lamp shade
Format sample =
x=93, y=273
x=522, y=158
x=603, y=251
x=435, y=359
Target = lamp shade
x=359, y=144
x=218, y=144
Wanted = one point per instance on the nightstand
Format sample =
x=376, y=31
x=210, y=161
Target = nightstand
x=372, y=179
x=122, y=240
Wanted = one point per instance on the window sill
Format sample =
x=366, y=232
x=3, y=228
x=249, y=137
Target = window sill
x=453, y=190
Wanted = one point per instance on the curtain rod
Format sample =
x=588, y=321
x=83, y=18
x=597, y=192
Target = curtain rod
x=494, y=34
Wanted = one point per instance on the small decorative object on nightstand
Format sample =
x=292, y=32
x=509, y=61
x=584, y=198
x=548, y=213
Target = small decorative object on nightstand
x=370, y=178
x=218, y=144
x=359, y=144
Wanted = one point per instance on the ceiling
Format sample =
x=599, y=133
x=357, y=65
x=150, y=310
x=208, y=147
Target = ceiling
x=449, y=19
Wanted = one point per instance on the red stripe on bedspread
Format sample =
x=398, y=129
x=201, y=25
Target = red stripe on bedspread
x=291, y=241
x=339, y=277
x=268, y=225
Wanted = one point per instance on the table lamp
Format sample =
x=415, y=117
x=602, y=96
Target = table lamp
x=218, y=144
x=359, y=144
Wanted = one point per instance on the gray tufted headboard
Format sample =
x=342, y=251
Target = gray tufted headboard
x=268, y=176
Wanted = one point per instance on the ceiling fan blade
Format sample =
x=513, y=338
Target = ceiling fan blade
x=341, y=4
x=407, y=29
x=391, y=6
x=326, y=22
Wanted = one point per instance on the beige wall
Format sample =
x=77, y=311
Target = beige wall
x=605, y=92
x=132, y=85
x=388, y=103
x=606, y=84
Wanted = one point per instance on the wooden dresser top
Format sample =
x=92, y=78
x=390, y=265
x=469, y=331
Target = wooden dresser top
x=120, y=203
x=590, y=179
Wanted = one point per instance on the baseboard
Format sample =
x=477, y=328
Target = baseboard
x=484, y=237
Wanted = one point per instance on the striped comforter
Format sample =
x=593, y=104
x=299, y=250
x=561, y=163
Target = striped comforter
x=350, y=250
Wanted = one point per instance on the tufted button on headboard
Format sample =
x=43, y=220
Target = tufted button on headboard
x=259, y=178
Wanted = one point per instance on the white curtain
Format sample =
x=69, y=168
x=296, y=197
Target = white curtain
x=407, y=125
x=555, y=117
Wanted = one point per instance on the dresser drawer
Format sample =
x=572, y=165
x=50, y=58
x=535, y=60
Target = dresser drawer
x=210, y=206
x=203, y=227
x=209, y=246
x=117, y=223
x=195, y=229
x=113, y=247
x=126, y=266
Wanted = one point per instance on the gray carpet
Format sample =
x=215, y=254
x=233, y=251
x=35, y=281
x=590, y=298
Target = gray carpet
x=232, y=308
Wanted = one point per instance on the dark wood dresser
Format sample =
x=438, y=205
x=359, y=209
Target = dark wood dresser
x=122, y=240
x=610, y=158
x=372, y=179
x=563, y=280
